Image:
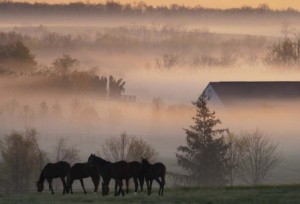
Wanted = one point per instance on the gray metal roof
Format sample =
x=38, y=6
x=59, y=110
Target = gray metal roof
x=256, y=90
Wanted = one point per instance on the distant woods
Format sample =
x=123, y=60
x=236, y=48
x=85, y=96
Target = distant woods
x=64, y=74
x=175, y=47
x=133, y=9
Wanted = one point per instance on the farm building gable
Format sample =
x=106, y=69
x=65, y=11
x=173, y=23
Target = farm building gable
x=230, y=93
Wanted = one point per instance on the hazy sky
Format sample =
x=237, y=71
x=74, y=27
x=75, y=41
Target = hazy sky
x=205, y=3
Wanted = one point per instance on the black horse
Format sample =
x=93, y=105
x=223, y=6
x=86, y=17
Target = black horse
x=136, y=172
x=54, y=170
x=81, y=171
x=108, y=170
x=155, y=171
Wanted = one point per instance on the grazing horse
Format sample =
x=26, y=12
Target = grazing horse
x=81, y=171
x=154, y=171
x=108, y=170
x=54, y=170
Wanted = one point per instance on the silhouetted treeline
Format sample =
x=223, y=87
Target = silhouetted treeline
x=140, y=8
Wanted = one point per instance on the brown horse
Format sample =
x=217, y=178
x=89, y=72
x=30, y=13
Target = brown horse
x=54, y=170
x=108, y=170
x=135, y=172
x=155, y=171
x=81, y=171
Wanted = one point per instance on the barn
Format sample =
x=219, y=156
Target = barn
x=256, y=93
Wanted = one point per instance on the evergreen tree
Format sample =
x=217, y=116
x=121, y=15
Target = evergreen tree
x=204, y=156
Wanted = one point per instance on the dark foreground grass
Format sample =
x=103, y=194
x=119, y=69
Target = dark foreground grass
x=240, y=195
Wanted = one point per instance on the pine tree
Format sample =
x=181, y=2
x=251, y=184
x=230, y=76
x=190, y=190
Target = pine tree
x=204, y=156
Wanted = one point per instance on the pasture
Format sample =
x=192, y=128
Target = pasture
x=262, y=194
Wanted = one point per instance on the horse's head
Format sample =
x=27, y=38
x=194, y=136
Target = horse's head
x=144, y=161
x=91, y=160
x=105, y=189
x=40, y=186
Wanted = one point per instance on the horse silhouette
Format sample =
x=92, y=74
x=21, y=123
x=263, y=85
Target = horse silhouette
x=108, y=170
x=51, y=171
x=81, y=171
x=155, y=171
x=136, y=172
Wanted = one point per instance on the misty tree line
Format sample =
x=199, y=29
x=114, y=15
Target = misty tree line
x=132, y=9
x=16, y=59
x=22, y=159
x=196, y=48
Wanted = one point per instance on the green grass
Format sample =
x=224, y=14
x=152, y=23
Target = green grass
x=239, y=195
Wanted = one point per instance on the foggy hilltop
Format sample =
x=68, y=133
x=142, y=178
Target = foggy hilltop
x=89, y=72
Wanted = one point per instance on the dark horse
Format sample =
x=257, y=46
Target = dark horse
x=54, y=170
x=108, y=170
x=136, y=172
x=155, y=171
x=81, y=171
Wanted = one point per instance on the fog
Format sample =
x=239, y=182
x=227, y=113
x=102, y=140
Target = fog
x=170, y=59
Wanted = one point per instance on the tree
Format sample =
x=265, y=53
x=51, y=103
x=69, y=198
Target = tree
x=22, y=160
x=259, y=157
x=64, y=63
x=64, y=153
x=116, y=87
x=128, y=148
x=204, y=156
x=16, y=56
x=233, y=154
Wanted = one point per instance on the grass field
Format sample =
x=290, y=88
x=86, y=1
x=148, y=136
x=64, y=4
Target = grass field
x=262, y=194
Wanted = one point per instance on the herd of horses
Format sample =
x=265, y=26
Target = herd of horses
x=97, y=167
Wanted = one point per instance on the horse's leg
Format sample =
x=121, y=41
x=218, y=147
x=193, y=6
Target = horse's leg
x=136, y=184
x=82, y=185
x=160, y=185
x=50, y=185
x=70, y=185
x=151, y=180
x=121, y=189
x=147, y=183
x=96, y=181
x=64, y=184
x=163, y=181
x=141, y=180
x=116, y=186
x=127, y=186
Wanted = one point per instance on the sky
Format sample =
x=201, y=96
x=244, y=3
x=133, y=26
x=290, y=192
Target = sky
x=275, y=4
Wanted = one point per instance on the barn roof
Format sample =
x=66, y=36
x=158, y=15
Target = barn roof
x=256, y=90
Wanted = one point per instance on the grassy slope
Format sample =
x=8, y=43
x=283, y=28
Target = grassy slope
x=260, y=195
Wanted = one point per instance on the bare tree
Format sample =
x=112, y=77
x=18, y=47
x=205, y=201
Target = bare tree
x=66, y=153
x=115, y=148
x=139, y=148
x=22, y=160
x=259, y=157
x=128, y=148
x=233, y=154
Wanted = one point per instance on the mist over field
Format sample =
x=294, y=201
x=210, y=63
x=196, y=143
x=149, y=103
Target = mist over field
x=166, y=63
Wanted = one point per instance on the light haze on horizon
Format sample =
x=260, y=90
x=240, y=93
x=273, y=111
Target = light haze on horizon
x=274, y=4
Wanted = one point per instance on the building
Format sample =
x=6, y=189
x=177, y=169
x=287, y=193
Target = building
x=257, y=93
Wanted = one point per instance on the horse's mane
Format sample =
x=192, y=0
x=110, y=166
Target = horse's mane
x=100, y=160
